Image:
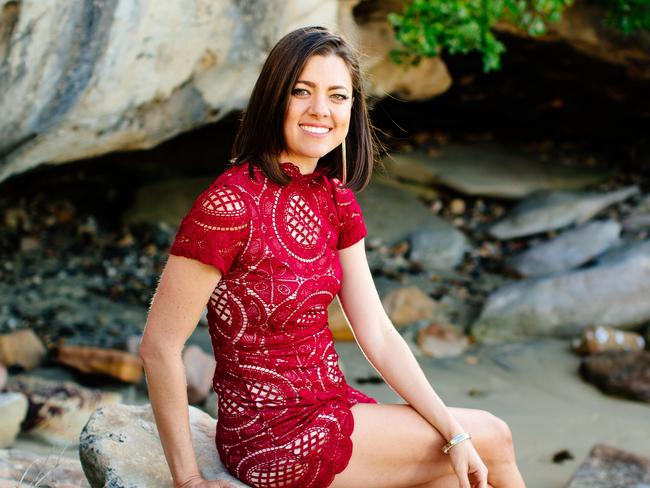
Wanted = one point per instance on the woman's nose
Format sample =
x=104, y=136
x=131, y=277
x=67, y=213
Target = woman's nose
x=319, y=106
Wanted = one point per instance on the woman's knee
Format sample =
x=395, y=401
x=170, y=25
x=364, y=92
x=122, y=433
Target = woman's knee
x=500, y=443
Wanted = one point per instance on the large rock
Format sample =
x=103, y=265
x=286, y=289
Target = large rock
x=613, y=293
x=607, y=466
x=569, y=250
x=623, y=373
x=492, y=171
x=58, y=410
x=551, y=211
x=13, y=408
x=38, y=470
x=120, y=447
x=83, y=79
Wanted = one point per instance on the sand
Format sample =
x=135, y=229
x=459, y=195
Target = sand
x=534, y=386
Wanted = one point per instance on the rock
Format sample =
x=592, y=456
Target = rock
x=101, y=97
x=120, y=446
x=493, y=171
x=58, y=410
x=210, y=404
x=199, y=369
x=410, y=167
x=569, y=250
x=544, y=212
x=338, y=323
x=39, y=470
x=607, y=467
x=621, y=373
x=440, y=341
x=639, y=218
x=384, y=208
x=22, y=347
x=121, y=365
x=613, y=293
x=439, y=247
x=582, y=27
x=409, y=304
x=604, y=339
x=13, y=408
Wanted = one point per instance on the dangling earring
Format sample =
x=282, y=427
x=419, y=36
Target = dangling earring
x=344, y=161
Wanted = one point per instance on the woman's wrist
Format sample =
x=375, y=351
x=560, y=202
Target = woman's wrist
x=181, y=483
x=462, y=436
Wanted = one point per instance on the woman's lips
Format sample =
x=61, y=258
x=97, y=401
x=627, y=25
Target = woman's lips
x=315, y=134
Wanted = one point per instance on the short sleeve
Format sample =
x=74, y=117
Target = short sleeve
x=352, y=226
x=216, y=228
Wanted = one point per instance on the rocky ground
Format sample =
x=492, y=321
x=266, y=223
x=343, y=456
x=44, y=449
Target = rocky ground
x=508, y=255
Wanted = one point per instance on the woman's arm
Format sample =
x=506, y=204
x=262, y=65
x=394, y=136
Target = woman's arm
x=382, y=344
x=184, y=288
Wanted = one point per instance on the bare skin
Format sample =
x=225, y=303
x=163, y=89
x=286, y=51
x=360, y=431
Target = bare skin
x=394, y=445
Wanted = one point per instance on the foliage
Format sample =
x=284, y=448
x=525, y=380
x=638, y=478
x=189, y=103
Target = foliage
x=428, y=27
x=628, y=16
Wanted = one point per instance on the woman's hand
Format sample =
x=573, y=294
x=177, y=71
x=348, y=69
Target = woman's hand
x=199, y=482
x=470, y=469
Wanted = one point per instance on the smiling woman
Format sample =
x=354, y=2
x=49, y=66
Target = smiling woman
x=267, y=246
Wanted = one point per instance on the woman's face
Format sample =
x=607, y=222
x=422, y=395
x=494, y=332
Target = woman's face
x=318, y=115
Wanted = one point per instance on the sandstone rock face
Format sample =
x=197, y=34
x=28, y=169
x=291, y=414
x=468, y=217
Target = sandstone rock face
x=89, y=78
x=120, y=446
x=58, y=410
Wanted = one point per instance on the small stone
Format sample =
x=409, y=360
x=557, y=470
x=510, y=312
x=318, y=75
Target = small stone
x=118, y=364
x=441, y=341
x=619, y=373
x=199, y=370
x=409, y=304
x=457, y=206
x=607, y=467
x=595, y=339
x=22, y=347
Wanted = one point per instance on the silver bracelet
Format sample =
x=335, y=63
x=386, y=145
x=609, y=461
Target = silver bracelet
x=455, y=440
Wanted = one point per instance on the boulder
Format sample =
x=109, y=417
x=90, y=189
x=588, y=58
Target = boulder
x=607, y=466
x=549, y=211
x=622, y=373
x=612, y=293
x=569, y=250
x=57, y=410
x=120, y=446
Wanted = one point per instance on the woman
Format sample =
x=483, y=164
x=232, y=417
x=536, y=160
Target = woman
x=268, y=245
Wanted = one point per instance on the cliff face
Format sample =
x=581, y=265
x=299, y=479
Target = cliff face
x=82, y=79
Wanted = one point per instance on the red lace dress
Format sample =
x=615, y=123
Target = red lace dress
x=284, y=416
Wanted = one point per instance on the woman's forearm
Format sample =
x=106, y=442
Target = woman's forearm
x=167, y=386
x=394, y=360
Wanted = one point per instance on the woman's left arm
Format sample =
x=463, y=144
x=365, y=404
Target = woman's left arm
x=382, y=344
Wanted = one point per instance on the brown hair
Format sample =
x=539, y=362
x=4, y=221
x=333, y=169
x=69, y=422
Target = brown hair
x=260, y=137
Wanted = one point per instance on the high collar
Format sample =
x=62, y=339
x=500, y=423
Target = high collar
x=293, y=170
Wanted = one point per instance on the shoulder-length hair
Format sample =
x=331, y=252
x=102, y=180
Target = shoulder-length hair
x=260, y=137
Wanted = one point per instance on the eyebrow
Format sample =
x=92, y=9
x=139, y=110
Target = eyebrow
x=312, y=84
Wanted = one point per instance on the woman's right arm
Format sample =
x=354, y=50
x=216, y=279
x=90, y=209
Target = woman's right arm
x=184, y=288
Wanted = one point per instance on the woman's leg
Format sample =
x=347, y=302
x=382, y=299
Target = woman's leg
x=395, y=447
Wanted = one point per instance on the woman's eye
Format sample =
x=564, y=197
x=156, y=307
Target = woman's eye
x=299, y=91
x=340, y=96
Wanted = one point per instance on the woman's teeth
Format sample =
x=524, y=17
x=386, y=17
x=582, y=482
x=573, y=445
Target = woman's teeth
x=315, y=130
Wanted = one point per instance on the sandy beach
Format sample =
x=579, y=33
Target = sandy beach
x=535, y=387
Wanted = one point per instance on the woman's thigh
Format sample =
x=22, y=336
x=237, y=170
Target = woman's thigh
x=395, y=447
